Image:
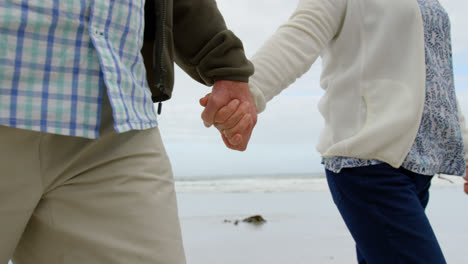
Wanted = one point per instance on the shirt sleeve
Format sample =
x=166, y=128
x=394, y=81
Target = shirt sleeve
x=295, y=46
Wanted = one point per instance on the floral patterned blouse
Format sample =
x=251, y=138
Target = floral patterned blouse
x=438, y=147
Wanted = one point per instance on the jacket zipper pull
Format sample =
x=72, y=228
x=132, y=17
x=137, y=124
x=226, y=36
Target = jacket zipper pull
x=159, y=108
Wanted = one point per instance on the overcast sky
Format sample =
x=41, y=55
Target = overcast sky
x=287, y=132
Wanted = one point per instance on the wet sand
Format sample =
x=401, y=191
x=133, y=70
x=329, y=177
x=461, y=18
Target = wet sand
x=301, y=228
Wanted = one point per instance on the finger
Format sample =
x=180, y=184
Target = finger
x=246, y=137
x=466, y=188
x=204, y=100
x=212, y=107
x=234, y=119
x=241, y=127
x=226, y=112
x=227, y=143
x=236, y=140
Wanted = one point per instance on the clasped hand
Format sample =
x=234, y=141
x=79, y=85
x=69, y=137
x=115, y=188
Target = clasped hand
x=231, y=109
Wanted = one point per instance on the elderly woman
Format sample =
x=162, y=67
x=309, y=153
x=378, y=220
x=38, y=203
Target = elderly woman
x=391, y=116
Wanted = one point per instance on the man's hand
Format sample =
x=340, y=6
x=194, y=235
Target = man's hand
x=231, y=109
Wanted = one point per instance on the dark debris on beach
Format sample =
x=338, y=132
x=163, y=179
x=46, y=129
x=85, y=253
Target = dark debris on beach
x=254, y=220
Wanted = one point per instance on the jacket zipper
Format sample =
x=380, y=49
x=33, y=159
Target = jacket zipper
x=159, y=70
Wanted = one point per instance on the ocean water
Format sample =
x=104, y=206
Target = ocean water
x=252, y=183
x=312, y=182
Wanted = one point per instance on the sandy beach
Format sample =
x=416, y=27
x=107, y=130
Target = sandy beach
x=302, y=227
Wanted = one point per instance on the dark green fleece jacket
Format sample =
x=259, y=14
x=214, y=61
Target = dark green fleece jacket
x=194, y=35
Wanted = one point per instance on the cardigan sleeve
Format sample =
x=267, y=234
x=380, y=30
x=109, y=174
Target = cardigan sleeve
x=295, y=46
x=464, y=130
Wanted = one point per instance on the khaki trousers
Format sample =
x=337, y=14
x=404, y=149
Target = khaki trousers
x=74, y=200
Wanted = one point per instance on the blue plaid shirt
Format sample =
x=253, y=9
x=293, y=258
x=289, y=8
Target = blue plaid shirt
x=56, y=57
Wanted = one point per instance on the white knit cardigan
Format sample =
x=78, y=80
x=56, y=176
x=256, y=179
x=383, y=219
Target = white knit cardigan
x=373, y=73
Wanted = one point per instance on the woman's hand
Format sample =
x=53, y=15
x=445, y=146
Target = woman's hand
x=466, y=183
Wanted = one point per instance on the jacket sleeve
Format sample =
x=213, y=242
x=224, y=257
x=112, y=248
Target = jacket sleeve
x=295, y=46
x=204, y=48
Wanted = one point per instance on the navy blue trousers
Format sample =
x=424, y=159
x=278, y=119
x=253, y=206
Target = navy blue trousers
x=383, y=208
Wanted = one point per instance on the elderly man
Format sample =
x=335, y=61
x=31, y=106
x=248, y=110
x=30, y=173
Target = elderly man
x=85, y=177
